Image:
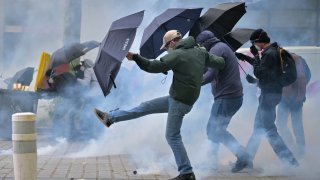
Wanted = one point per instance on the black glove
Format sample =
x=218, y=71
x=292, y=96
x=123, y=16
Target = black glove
x=253, y=50
x=241, y=56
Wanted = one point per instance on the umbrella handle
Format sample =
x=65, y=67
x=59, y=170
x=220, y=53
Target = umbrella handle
x=112, y=80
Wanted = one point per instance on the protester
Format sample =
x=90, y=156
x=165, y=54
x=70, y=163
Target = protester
x=187, y=61
x=228, y=96
x=267, y=69
x=65, y=121
x=293, y=97
x=89, y=78
x=89, y=93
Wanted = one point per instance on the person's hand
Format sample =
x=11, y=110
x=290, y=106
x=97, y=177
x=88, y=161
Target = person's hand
x=240, y=56
x=130, y=56
x=253, y=50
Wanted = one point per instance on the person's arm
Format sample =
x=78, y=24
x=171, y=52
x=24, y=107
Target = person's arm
x=258, y=68
x=152, y=66
x=209, y=76
x=214, y=61
x=244, y=57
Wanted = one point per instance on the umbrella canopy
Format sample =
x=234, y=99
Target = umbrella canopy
x=236, y=38
x=114, y=48
x=220, y=20
x=180, y=19
x=70, y=52
x=23, y=77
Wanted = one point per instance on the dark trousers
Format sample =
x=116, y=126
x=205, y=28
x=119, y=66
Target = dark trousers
x=293, y=108
x=221, y=114
x=265, y=125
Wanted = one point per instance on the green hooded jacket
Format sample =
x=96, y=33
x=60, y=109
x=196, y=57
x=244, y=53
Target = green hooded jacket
x=188, y=62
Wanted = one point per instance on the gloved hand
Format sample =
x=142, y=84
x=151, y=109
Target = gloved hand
x=253, y=50
x=240, y=56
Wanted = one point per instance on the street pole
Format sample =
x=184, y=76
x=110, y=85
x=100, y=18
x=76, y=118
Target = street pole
x=72, y=22
x=317, y=43
x=2, y=20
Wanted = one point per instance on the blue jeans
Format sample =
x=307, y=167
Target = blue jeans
x=221, y=114
x=295, y=109
x=176, y=111
x=265, y=125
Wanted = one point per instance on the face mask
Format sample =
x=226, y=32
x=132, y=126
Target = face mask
x=257, y=47
x=82, y=68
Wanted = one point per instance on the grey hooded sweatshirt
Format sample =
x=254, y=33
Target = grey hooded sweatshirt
x=225, y=83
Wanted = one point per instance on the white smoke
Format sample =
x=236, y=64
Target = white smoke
x=144, y=138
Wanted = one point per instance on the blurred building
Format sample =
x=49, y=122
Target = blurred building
x=292, y=23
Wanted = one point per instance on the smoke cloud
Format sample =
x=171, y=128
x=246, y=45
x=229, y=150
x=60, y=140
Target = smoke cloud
x=144, y=138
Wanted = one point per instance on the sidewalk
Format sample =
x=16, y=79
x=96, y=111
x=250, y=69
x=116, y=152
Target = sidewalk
x=54, y=167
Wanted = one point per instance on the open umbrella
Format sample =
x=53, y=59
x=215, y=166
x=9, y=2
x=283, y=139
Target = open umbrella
x=180, y=19
x=70, y=52
x=236, y=38
x=23, y=77
x=220, y=20
x=114, y=48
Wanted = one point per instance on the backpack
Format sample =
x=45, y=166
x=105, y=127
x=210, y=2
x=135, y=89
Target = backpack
x=288, y=68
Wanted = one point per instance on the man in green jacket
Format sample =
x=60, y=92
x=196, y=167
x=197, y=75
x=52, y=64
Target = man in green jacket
x=187, y=61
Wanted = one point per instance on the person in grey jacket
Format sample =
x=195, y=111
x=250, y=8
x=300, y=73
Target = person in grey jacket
x=227, y=91
x=89, y=79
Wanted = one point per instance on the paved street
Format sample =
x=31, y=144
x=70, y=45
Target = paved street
x=57, y=166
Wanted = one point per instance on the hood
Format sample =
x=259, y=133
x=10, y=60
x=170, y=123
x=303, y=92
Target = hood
x=88, y=63
x=186, y=43
x=273, y=45
x=207, y=39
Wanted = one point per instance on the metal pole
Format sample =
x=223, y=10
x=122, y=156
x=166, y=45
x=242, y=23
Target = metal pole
x=2, y=20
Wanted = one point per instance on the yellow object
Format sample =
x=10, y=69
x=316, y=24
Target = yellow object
x=43, y=66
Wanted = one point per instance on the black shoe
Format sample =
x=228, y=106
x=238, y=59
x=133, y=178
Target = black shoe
x=103, y=117
x=241, y=164
x=189, y=176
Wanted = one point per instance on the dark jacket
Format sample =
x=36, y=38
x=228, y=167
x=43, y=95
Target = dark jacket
x=268, y=70
x=188, y=63
x=226, y=82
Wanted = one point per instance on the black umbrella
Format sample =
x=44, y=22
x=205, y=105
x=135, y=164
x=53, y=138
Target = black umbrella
x=220, y=20
x=236, y=38
x=180, y=19
x=70, y=52
x=23, y=77
x=114, y=48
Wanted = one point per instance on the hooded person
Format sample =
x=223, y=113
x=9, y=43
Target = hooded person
x=267, y=69
x=187, y=61
x=90, y=93
x=89, y=77
x=228, y=97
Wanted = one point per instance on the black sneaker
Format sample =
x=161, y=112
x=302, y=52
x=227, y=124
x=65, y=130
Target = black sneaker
x=189, y=176
x=241, y=164
x=103, y=117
